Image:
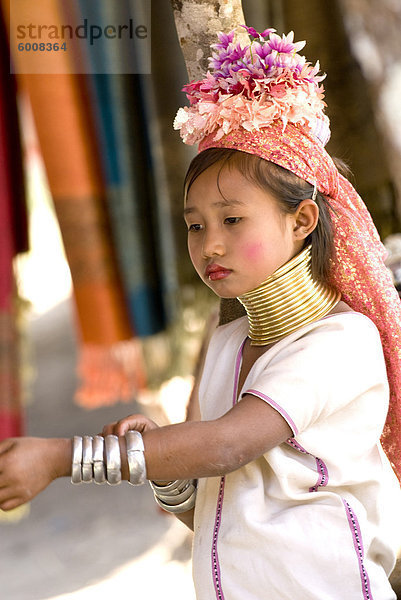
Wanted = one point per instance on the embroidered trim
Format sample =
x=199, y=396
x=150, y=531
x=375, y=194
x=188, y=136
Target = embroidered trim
x=358, y=545
x=277, y=407
x=323, y=478
x=215, y=555
x=219, y=509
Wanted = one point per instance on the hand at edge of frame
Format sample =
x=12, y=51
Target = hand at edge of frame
x=28, y=465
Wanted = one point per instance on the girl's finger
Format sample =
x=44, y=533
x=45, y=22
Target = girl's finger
x=5, y=495
x=11, y=503
x=109, y=428
x=6, y=445
x=136, y=422
x=125, y=425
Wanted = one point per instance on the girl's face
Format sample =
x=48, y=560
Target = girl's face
x=237, y=235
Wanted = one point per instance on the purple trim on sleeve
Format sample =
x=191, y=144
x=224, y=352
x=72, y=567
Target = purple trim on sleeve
x=322, y=470
x=276, y=406
x=358, y=545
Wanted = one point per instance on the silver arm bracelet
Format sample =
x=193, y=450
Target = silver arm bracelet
x=113, y=459
x=99, y=469
x=179, y=498
x=173, y=488
x=87, y=460
x=179, y=508
x=136, y=458
x=76, y=469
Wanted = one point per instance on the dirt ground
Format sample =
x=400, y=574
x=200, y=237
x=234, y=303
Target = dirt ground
x=87, y=541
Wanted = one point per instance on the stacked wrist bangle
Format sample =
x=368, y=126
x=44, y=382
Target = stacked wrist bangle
x=113, y=459
x=87, y=459
x=98, y=459
x=76, y=471
x=99, y=468
x=177, y=496
x=136, y=458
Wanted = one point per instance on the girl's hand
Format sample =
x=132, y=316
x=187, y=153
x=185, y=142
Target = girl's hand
x=134, y=422
x=119, y=428
x=28, y=465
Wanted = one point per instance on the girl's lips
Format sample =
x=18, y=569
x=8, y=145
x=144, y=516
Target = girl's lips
x=219, y=275
x=216, y=272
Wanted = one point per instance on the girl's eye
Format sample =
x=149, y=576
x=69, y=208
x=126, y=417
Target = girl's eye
x=194, y=227
x=232, y=220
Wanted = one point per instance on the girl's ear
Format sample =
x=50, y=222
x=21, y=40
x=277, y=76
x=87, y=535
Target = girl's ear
x=305, y=219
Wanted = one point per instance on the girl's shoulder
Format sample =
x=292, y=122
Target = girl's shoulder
x=336, y=343
x=338, y=336
x=350, y=323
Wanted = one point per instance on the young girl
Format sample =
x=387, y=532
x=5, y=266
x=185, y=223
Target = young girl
x=284, y=480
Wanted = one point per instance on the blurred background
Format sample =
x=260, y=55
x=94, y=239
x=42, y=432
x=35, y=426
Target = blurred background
x=101, y=313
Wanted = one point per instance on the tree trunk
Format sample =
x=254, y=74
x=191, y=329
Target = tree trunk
x=198, y=22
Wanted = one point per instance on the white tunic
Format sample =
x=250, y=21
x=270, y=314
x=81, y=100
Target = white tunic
x=311, y=519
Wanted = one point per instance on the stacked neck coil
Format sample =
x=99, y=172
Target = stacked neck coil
x=286, y=301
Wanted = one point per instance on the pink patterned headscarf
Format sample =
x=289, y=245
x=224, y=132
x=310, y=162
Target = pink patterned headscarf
x=266, y=100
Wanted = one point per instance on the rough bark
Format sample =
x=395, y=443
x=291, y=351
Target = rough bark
x=197, y=23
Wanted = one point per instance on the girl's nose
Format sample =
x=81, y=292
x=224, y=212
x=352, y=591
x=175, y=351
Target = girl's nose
x=213, y=245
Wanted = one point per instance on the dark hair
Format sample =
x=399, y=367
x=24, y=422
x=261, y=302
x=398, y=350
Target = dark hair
x=288, y=189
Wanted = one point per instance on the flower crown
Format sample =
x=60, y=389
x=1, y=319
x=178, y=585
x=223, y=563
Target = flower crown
x=250, y=87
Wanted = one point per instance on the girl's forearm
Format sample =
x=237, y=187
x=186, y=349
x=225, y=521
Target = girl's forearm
x=188, y=450
x=182, y=451
x=197, y=449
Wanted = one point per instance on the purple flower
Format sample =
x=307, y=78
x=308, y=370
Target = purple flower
x=226, y=56
x=261, y=50
x=267, y=32
x=253, y=33
x=225, y=40
x=285, y=44
x=252, y=86
x=263, y=66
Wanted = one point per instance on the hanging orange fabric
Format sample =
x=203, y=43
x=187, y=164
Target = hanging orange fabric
x=109, y=365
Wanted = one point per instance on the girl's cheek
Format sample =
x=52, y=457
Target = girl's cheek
x=252, y=251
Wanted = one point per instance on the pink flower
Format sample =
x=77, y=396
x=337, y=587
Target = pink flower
x=252, y=86
x=278, y=90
